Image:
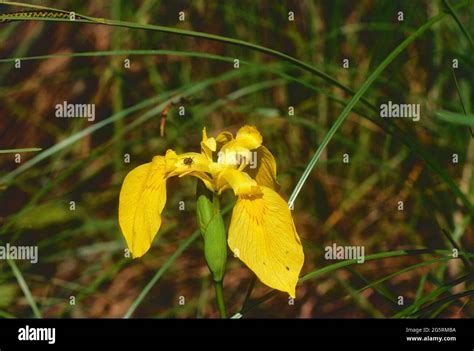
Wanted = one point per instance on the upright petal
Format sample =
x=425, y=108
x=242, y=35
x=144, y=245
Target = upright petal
x=262, y=234
x=142, y=198
x=208, y=145
x=249, y=137
x=238, y=151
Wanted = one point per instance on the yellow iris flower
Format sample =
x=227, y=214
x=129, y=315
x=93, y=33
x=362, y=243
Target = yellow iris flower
x=261, y=233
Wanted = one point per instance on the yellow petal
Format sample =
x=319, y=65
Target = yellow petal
x=191, y=162
x=224, y=137
x=170, y=159
x=238, y=151
x=262, y=234
x=208, y=145
x=233, y=155
x=239, y=181
x=249, y=137
x=204, y=134
x=142, y=198
x=264, y=172
x=207, y=180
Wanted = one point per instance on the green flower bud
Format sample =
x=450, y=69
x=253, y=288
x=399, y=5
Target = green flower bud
x=213, y=232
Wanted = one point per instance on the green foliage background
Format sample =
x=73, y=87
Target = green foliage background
x=355, y=203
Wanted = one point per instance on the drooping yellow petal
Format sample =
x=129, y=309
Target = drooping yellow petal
x=239, y=181
x=207, y=180
x=264, y=169
x=262, y=234
x=142, y=198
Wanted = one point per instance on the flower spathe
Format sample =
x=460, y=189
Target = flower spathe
x=261, y=233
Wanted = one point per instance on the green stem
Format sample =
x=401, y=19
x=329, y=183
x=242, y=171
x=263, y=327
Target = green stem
x=24, y=287
x=220, y=299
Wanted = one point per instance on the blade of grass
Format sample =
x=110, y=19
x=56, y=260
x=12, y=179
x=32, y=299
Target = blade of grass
x=365, y=86
x=456, y=118
x=100, y=279
x=441, y=302
x=360, y=300
x=185, y=91
x=29, y=149
x=423, y=155
x=107, y=53
x=166, y=265
x=24, y=287
x=80, y=18
x=380, y=288
x=460, y=97
x=421, y=287
x=248, y=295
x=453, y=242
x=432, y=295
x=346, y=263
x=459, y=23
x=458, y=91
x=404, y=270
x=377, y=256
x=5, y=314
x=389, y=128
x=75, y=137
x=71, y=170
x=103, y=21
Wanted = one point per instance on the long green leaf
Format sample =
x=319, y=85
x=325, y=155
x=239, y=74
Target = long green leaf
x=389, y=128
x=346, y=263
x=169, y=261
x=162, y=100
x=343, y=115
x=442, y=302
x=456, y=118
x=432, y=295
x=459, y=23
x=116, y=23
x=24, y=287
x=184, y=245
x=12, y=151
